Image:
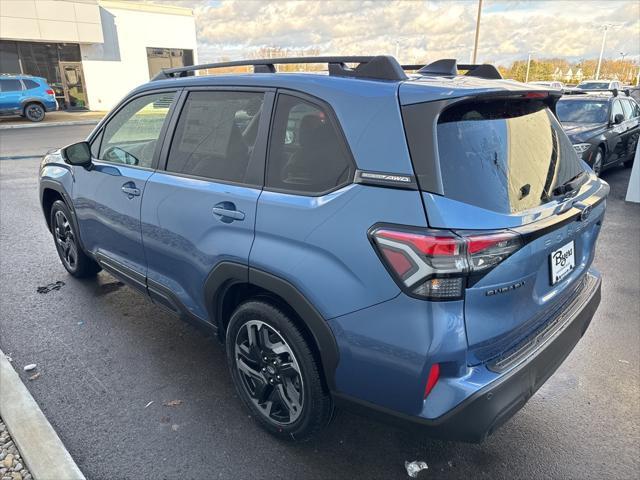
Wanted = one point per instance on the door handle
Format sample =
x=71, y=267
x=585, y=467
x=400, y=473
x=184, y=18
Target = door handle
x=227, y=212
x=130, y=189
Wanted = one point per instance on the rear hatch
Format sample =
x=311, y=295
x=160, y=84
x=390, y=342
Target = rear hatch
x=501, y=165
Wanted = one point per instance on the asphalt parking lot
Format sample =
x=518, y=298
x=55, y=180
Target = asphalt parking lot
x=104, y=353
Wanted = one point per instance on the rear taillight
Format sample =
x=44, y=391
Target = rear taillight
x=434, y=264
x=49, y=92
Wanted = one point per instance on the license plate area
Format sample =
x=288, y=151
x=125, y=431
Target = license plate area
x=562, y=261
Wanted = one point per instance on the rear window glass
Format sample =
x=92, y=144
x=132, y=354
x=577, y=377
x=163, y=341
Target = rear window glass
x=506, y=156
x=30, y=84
x=307, y=154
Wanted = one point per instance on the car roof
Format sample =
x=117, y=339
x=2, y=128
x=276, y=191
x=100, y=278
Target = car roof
x=20, y=76
x=416, y=88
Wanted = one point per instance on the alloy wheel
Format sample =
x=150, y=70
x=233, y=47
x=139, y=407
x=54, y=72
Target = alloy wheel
x=34, y=112
x=65, y=240
x=597, y=163
x=269, y=372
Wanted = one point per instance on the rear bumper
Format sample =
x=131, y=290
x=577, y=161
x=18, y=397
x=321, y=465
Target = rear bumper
x=484, y=411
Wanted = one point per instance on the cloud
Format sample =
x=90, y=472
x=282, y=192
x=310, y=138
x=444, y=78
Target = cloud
x=420, y=30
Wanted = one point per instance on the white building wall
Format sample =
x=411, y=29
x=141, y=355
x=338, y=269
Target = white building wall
x=118, y=65
x=74, y=21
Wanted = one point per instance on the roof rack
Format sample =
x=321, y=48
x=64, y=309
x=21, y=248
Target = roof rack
x=614, y=91
x=381, y=67
x=450, y=67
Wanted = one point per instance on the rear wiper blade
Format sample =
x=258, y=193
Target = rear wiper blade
x=571, y=184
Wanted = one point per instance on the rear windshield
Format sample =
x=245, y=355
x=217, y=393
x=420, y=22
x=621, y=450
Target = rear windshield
x=506, y=156
x=594, y=86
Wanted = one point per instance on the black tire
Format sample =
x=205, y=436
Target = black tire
x=598, y=162
x=284, y=391
x=74, y=260
x=34, y=112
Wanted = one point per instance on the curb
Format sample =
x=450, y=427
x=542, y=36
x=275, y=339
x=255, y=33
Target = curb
x=36, y=440
x=50, y=124
x=22, y=157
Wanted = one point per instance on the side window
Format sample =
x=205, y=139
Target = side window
x=131, y=135
x=29, y=84
x=635, y=108
x=215, y=135
x=307, y=154
x=10, y=85
x=626, y=106
x=616, y=108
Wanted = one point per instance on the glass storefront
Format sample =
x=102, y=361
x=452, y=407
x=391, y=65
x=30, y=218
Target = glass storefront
x=159, y=58
x=59, y=63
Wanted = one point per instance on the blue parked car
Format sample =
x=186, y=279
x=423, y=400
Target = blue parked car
x=27, y=96
x=418, y=245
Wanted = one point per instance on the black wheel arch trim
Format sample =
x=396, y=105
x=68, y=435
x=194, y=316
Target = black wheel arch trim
x=227, y=273
x=46, y=184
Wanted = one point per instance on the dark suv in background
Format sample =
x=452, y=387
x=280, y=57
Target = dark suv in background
x=603, y=127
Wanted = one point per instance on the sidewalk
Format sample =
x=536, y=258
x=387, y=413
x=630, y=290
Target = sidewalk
x=54, y=119
x=43, y=456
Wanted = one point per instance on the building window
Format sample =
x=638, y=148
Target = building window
x=159, y=58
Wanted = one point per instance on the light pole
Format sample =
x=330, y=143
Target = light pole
x=475, y=44
x=526, y=78
x=605, y=27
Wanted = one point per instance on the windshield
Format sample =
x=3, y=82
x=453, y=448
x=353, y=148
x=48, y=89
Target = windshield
x=594, y=86
x=506, y=155
x=582, y=111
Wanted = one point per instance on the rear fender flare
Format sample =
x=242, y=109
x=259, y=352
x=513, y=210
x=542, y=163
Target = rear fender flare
x=226, y=274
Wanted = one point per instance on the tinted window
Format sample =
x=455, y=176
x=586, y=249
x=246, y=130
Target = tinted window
x=594, y=86
x=505, y=156
x=30, y=84
x=306, y=153
x=10, y=85
x=627, y=108
x=131, y=135
x=582, y=111
x=635, y=108
x=616, y=109
x=216, y=134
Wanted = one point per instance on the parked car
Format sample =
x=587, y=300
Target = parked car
x=551, y=84
x=603, y=128
x=599, y=85
x=26, y=96
x=634, y=92
x=419, y=245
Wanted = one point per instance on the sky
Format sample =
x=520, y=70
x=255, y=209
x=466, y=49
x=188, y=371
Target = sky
x=420, y=30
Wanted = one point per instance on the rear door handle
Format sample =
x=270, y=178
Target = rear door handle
x=130, y=189
x=227, y=212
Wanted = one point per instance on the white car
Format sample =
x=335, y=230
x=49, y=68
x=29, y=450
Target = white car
x=599, y=85
x=553, y=84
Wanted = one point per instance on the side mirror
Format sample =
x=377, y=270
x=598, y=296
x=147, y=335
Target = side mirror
x=619, y=118
x=78, y=154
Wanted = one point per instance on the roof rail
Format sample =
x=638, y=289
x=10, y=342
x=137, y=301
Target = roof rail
x=381, y=67
x=450, y=67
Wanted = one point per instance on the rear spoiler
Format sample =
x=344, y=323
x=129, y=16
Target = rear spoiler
x=450, y=67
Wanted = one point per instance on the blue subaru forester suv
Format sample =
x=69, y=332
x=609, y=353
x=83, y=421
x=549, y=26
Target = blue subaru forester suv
x=410, y=240
x=25, y=95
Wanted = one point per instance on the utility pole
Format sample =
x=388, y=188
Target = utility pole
x=526, y=78
x=475, y=44
x=605, y=27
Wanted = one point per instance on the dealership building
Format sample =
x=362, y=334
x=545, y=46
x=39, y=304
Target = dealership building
x=92, y=52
